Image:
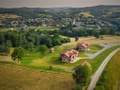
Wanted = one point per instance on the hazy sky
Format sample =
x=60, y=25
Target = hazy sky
x=56, y=3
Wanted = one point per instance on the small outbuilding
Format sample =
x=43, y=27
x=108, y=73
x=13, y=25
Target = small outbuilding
x=52, y=50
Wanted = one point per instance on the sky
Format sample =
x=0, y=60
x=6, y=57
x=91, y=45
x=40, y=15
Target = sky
x=56, y=3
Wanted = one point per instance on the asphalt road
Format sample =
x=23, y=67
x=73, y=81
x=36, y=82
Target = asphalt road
x=100, y=69
x=91, y=56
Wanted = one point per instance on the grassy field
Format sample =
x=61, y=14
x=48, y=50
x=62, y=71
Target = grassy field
x=52, y=59
x=43, y=28
x=34, y=60
x=87, y=14
x=110, y=78
x=93, y=40
x=8, y=29
x=20, y=78
x=4, y=16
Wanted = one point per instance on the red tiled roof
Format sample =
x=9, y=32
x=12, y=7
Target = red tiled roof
x=52, y=49
x=84, y=44
x=69, y=53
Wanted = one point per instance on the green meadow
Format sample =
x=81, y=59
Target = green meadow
x=51, y=61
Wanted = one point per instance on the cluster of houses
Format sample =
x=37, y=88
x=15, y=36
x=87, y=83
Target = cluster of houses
x=23, y=23
x=71, y=55
x=91, y=23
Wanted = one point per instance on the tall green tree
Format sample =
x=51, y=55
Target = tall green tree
x=17, y=54
x=96, y=33
x=81, y=75
x=43, y=49
x=2, y=38
x=112, y=31
x=76, y=38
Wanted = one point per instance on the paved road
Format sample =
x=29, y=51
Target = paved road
x=91, y=56
x=99, y=71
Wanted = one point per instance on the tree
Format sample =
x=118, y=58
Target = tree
x=112, y=31
x=43, y=49
x=2, y=38
x=76, y=38
x=96, y=33
x=2, y=48
x=17, y=54
x=8, y=43
x=81, y=75
x=76, y=87
x=86, y=34
x=101, y=37
x=5, y=47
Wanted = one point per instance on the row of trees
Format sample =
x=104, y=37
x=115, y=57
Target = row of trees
x=5, y=47
x=30, y=39
x=71, y=32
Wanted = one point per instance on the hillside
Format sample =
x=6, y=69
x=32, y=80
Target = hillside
x=97, y=11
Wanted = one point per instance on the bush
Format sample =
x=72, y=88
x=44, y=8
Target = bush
x=99, y=88
x=76, y=87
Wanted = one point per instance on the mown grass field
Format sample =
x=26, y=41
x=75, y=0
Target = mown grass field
x=87, y=14
x=93, y=40
x=110, y=78
x=35, y=60
x=48, y=28
x=4, y=16
x=20, y=78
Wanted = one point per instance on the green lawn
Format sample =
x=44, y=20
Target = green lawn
x=44, y=28
x=35, y=60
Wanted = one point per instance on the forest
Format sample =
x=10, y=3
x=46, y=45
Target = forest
x=29, y=40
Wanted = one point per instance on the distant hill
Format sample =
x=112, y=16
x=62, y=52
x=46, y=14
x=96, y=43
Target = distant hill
x=108, y=13
x=33, y=12
x=24, y=12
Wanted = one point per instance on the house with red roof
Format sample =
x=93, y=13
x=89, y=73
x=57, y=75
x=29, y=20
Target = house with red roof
x=68, y=56
x=82, y=46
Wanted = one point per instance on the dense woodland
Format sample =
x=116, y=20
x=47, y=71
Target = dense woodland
x=29, y=40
